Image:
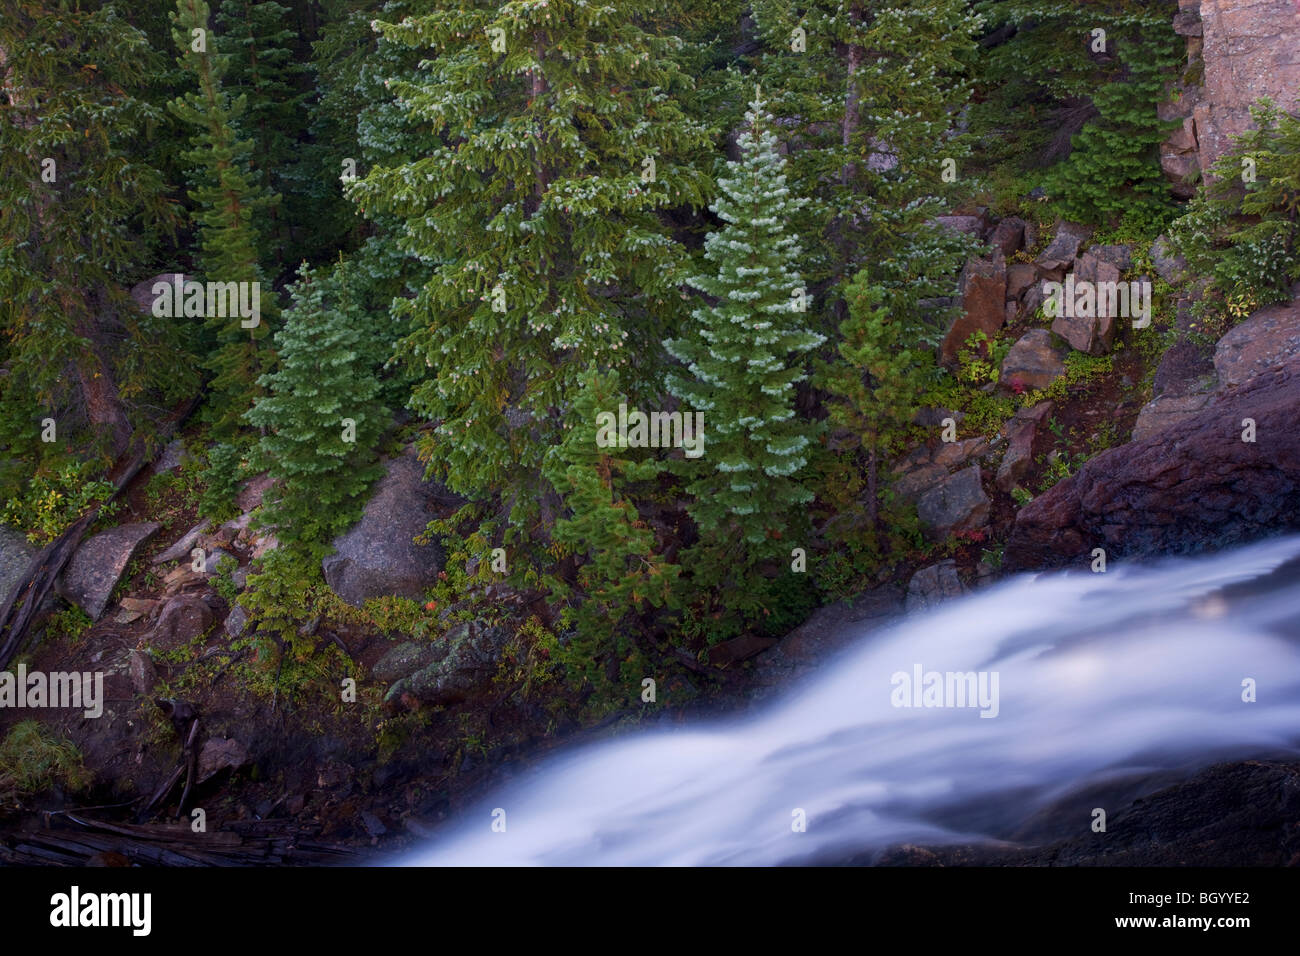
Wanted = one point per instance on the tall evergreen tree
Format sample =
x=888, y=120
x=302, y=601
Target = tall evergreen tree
x=228, y=200
x=321, y=418
x=80, y=215
x=745, y=353
x=551, y=147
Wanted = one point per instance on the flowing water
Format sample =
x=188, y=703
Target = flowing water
x=1137, y=671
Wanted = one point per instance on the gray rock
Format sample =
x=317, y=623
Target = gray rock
x=1095, y=333
x=143, y=673
x=378, y=556
x=957, y=503
x=16, y=556
x=966, y=225
x=1119, y=256
x=1167, y=415
x=468, y=660
x=1020, y=434
x=405, y=659
x=1268, y=338
x=173, y=456
x=181, y=549
x=217, y=755
x=99, y=563
x=236, y=621
x=931, y=586
x=183, y=618
x=1062, y=250
x=1033, y=361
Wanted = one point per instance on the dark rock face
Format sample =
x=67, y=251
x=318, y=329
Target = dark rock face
x=99, y=563
x=931, y=586
x=1199, y=487
x=378, y=555
x=1060, y=253
x=1008, y=235
x=1271, y=335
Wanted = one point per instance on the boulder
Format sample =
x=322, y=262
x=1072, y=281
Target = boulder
x=99, y=563
x=183, y=546
x=217, y=755
x=1089, y=333
x=378, y=555
x=462, y=662
x=1119, y=256
x=964, y=225
x=1269, y=337
x=403, y=661
x=931, y=586
x=1033, y=361
x=1184, y=369
x=956, y=503
x=1062, y=250
x=984, y=292
x=1020, y=434
x=183, y=618
x=1198, y=487
x=236, y=622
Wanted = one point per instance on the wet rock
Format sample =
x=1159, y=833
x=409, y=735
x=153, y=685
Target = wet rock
x=99, y=563
x=932, y=586
x=1033, y=361
x=1271, y=336
x=984, y=290
x=378, y=556
x=956, y=503
x=1195, y=488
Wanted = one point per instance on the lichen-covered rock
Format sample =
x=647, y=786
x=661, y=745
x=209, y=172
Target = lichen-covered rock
x=956, y=503
x=462, y=662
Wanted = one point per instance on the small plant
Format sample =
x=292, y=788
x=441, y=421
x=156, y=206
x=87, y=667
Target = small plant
x=1020, y=496
x=51, y=503
x=32, y=760
x=71, y=623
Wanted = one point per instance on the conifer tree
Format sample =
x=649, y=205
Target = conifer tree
x=228, y=202
x=321, y=418
x=619, y=571
x=262, y=70
x=875, y=385
x=745, y=352
x=81, y=211
x=551, y=146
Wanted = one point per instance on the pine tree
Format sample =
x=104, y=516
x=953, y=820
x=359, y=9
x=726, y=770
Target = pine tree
x=321, y=418
x=744, y=353
x=227, y=200
x=81, y=211
x=876, y=384
x=551, y=147
x=620, y=572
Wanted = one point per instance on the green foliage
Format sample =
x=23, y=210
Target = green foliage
x=1242, y=234
x=71, y=623
x=50, y=503
x=32, y=760
x=320, y=418
x=619, y=571
x=523, y=192
x=227, y=468
x=228, y=200
x=744, y=356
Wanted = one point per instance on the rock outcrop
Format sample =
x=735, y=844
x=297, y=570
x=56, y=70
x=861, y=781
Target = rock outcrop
x=1196, y=487
x=99, y=564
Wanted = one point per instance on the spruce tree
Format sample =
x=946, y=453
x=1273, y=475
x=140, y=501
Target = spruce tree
x=745, y=352
x=551, y=147
x=228, y=202
x=321, y=418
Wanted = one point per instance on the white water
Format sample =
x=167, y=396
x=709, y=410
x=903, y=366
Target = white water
x=1100, y=675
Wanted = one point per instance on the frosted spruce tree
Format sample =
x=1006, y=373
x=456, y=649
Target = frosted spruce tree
x=745, y=353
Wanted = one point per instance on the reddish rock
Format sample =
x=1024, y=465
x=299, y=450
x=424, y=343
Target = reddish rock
x=1173, y=493
x=1033, y=361
x=1062, y=250
x=984, y=289
x=1269, y=337
x=1020, y=276
x=1008, y=235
